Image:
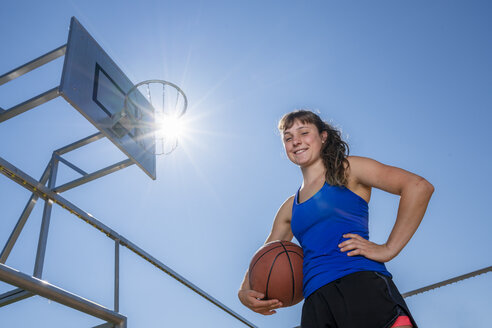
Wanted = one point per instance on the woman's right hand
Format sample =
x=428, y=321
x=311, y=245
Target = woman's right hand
x=253, y=300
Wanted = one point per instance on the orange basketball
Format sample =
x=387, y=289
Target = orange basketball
x=276, y=271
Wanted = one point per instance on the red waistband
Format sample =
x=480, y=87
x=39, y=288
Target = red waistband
x=402, y=320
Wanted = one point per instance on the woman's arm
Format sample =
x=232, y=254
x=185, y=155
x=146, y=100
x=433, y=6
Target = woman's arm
x=280, y=231
x=415, y=193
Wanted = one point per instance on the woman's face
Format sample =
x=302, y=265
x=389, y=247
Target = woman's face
x=303, y=142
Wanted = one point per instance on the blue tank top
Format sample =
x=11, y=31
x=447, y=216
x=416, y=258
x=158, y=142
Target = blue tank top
x=319, y=224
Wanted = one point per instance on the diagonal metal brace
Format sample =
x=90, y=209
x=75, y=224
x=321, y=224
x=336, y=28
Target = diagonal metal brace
x=13, y=296
x=105, y=325
x=33, y=64
x=30, y=183
x=29, y=104
x=79, y=143
x=23, y=218
x=93, y=176
x=54, y=293
x=69, y=164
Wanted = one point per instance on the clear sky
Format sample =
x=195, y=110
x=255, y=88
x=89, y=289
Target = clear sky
x=408, y=83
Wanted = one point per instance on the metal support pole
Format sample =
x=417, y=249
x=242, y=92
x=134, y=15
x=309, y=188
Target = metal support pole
x=23, y=219
x=70, y=165
x=19, y=294
x=105, y=325
x=49, y=291
x=30, y=183
x=80, y=143
x=29, y=104
x=33, y=64
x=13, y=296
x=45, y=224
x=117, y=275
x=93, y=176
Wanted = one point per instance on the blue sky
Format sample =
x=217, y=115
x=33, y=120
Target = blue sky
x=408, y=83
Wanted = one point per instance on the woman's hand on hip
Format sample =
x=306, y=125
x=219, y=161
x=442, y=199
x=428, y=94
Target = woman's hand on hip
x=357, y=245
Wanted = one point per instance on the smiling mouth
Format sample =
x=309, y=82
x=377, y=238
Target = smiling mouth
x=300, y=151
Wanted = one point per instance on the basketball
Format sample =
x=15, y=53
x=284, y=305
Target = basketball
x=276, y=271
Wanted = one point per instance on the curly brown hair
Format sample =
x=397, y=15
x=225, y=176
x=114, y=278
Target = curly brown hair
x=334, y=151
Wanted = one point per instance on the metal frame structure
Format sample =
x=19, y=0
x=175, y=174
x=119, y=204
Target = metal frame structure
x=30, y=285
x=46, y=189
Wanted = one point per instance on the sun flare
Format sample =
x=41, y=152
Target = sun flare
x=169, y=127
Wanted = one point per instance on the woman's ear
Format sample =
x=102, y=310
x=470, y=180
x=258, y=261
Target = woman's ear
x=324, y=136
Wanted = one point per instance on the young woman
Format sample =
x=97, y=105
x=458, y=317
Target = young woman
x=345, y=283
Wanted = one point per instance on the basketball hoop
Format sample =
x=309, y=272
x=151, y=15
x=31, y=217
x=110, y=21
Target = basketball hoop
x=165, y=102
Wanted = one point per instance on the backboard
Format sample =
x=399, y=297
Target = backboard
x=93, y=84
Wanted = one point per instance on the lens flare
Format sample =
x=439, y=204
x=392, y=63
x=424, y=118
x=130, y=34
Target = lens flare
x=169, y=127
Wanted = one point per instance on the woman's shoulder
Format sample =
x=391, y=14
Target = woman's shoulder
x=358, y=159
x=286, y=207
x=371, y=173
x=355, y=181
x=360, y=169
x=360, y=163
x=355, y=163
x=289, y=202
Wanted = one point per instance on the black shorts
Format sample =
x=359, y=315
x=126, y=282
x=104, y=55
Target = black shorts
x=359, y=300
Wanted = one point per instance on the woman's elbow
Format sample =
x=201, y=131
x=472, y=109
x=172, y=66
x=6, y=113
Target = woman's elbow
x=425, y=187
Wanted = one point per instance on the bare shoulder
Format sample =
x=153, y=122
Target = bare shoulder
x=353, y=170
x=359, y=160
x=285, y=209
x=355, y=184
x=281, y=225
x=371, y=173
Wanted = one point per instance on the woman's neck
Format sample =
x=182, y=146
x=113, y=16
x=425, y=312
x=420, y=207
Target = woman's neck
x=313, y=173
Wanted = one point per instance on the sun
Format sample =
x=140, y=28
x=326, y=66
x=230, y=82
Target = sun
x=169, y=127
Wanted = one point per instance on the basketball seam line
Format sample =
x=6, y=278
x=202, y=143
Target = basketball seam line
x=272, y=265
x=292, y=273
x=268, y=251
x=252, y=266
x=270, y=273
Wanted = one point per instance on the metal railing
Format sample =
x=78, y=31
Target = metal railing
x=49, y=195
x=33, y=285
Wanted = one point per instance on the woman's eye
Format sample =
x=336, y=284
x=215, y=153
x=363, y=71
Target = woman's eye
x=305, y=132
x=288, y=139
